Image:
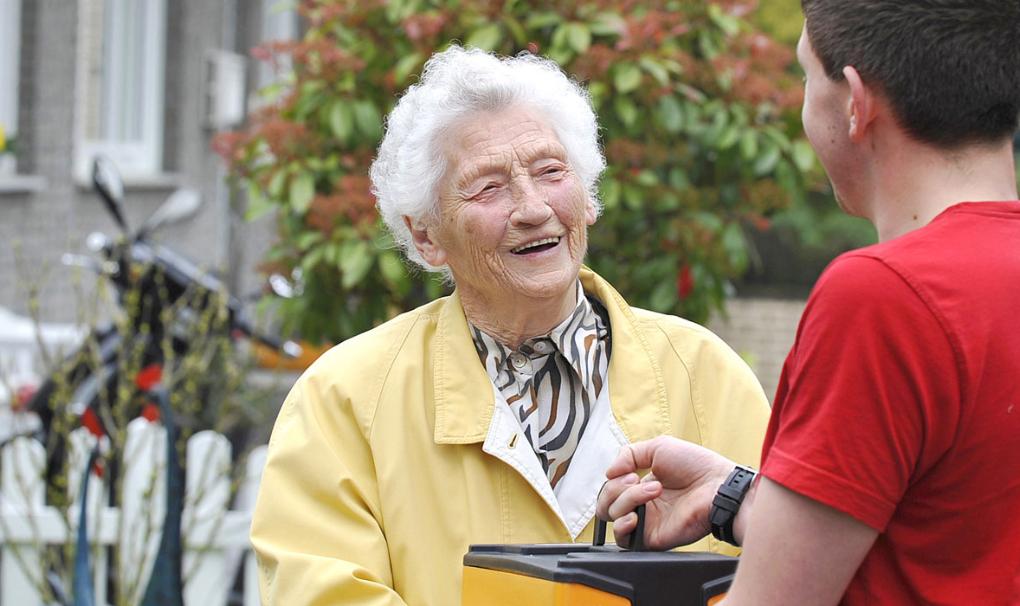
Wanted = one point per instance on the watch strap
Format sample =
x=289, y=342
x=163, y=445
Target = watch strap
x=727, y=502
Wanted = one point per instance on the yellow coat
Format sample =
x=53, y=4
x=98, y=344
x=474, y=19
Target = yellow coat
x=376, y=482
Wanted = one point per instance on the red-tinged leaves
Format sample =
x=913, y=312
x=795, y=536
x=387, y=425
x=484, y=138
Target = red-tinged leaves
x=684, y=282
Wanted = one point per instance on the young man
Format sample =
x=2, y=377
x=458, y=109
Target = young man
x=891, y=468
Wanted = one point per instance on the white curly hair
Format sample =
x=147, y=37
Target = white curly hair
x=455, y=83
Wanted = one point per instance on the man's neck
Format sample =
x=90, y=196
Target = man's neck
x=512, y=321
x=916, y=182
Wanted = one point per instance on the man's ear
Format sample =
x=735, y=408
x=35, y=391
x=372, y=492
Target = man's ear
x=424, y=243
x=863, y=105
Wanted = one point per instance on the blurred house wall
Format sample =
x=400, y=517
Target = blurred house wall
x=762, y=331
x=45, y=212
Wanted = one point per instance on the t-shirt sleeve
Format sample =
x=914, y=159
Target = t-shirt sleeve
x=871, y=369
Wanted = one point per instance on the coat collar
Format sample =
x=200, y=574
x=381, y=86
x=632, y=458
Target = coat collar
x=464, y=396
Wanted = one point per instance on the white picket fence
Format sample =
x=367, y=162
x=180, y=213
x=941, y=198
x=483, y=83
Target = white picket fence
x=215, y=537
x=22, y=342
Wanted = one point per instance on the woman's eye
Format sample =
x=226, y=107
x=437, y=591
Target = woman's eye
x=487, y=190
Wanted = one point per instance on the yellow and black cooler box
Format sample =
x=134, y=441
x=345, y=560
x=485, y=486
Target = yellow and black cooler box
x=592, y=575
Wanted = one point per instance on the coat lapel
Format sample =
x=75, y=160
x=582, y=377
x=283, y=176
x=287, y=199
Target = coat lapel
x=463, y=392
x=636, y=389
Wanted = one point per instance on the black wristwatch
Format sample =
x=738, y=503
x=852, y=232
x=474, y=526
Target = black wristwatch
x=727, y=502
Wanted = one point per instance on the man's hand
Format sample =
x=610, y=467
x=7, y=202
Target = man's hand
x=678, y=492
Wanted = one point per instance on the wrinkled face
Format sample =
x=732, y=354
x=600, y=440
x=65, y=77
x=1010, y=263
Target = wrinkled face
x=513, y=215
x=826, y=123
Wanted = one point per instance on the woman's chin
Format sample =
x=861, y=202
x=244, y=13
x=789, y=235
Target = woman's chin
x=543, y=283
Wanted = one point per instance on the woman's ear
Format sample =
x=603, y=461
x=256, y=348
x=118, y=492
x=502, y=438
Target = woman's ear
x=424, y=242
x=590, y=214
x=862, y=105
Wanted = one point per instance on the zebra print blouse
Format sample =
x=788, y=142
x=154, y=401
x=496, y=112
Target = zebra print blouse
x=552, y=382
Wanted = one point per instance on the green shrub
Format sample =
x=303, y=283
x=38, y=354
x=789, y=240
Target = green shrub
x=700, y=126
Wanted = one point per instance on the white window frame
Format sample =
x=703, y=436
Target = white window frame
x=142, y=158
x=10, y=65
x=279, y=23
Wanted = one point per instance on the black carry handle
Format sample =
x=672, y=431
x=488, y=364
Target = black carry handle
x=637, y=538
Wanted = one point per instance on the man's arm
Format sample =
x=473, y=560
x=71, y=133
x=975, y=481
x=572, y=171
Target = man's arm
x=315, y=527
x=796, y=550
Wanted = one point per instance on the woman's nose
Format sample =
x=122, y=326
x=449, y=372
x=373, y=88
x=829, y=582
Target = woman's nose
x=531, y=203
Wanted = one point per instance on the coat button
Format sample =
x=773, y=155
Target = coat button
x=519, y=360
x=543, y=347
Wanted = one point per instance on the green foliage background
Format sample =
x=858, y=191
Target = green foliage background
x=782, y=19
x=700, y=118
x=804, y=237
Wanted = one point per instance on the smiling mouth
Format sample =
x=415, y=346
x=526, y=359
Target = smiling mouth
x=536, y=246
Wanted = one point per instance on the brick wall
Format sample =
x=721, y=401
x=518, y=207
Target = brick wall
x=762, y=332
x=37, y=226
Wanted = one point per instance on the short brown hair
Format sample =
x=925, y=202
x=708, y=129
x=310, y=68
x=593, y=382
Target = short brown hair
x=950, y=68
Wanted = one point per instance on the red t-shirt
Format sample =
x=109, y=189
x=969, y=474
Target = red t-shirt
x=899, y=404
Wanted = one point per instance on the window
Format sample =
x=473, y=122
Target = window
x=279, y=24
x=10, y=49
x=120, y=85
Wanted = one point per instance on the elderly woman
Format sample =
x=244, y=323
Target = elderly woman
x=488, y=416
